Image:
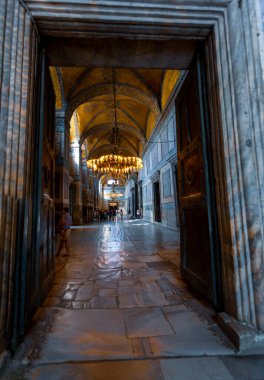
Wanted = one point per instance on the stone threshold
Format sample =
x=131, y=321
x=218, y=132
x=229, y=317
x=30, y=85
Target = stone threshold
x=247, y=339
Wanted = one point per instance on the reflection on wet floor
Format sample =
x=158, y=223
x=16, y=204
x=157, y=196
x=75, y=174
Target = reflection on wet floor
x=121, y=253
x=120, y=296
x=121, y=267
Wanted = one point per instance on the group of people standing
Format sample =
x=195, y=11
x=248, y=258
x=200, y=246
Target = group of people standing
x=108, y=214
x=63, y=225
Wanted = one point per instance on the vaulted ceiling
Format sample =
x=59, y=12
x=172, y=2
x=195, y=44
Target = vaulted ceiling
x=140, y=97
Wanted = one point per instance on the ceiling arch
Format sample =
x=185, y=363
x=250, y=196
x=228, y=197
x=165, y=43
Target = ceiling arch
x=105, y=147
x=133, y=115
x=126, y=142
x=102, y=128
x=121, y=89
x=132, y=99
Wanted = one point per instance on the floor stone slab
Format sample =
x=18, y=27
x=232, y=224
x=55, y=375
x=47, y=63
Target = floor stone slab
x=104, y=302
x=173, y=345
x=87, y=334
x=105, y=284
x=149, y=259
x=97, y=329
x=195, y=369
x=85, y=292
x=103, y=292
x=142, y=300
x=124, y=290
x=128, y=283
x=69, y=295
x=146, y=322
x=245, y=368
x=130, y=370
x=150, y=287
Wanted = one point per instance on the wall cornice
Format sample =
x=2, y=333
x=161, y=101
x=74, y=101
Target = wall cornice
x=59, y=18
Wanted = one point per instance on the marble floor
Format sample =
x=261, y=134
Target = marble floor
x=119, y=309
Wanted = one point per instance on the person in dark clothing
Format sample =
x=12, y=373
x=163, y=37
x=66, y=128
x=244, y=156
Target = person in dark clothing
x=65, y=224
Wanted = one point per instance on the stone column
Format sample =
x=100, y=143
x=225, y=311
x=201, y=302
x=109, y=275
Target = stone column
x=133, y=203
x=92, y=196
x=173, y=162
x=140, y=200
x=75, y=172
x=85, y=193
x=62, y=138
x=94, y=181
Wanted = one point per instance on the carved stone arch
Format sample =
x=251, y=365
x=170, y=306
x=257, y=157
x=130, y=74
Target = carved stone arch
x=104, y=89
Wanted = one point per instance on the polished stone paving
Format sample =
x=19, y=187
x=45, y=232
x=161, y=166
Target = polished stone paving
x=120, y=309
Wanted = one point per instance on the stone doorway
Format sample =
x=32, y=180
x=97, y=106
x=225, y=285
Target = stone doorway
x=187, y=59
x=235, y=91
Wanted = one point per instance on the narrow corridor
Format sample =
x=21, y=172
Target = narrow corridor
x=120, y=310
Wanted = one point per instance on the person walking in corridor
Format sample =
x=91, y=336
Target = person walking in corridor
x=65, y=230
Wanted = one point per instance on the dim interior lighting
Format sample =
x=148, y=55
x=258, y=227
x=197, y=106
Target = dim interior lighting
x=114, y=163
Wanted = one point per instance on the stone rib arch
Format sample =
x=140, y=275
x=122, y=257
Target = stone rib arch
x=122, y=126
x=147, y=86
x=80, y=78
x=120, y=148
x=101, y=149
x=132, y=119
x=121, y=89
x=134, y=123
x=58, y=87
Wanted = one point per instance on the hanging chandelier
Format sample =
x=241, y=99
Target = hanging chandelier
x=114, y=163
x=114, y=195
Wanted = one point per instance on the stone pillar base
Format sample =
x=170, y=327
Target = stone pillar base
x=245, y=338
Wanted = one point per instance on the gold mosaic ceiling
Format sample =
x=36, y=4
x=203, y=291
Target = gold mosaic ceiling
x=141, y=96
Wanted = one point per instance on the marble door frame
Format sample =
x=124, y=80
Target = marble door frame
x=235, y=85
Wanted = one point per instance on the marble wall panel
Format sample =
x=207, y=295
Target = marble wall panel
x=18, y=55
x=165, y=145
x=168, y=215
x=166, y=184
x=164, y=142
